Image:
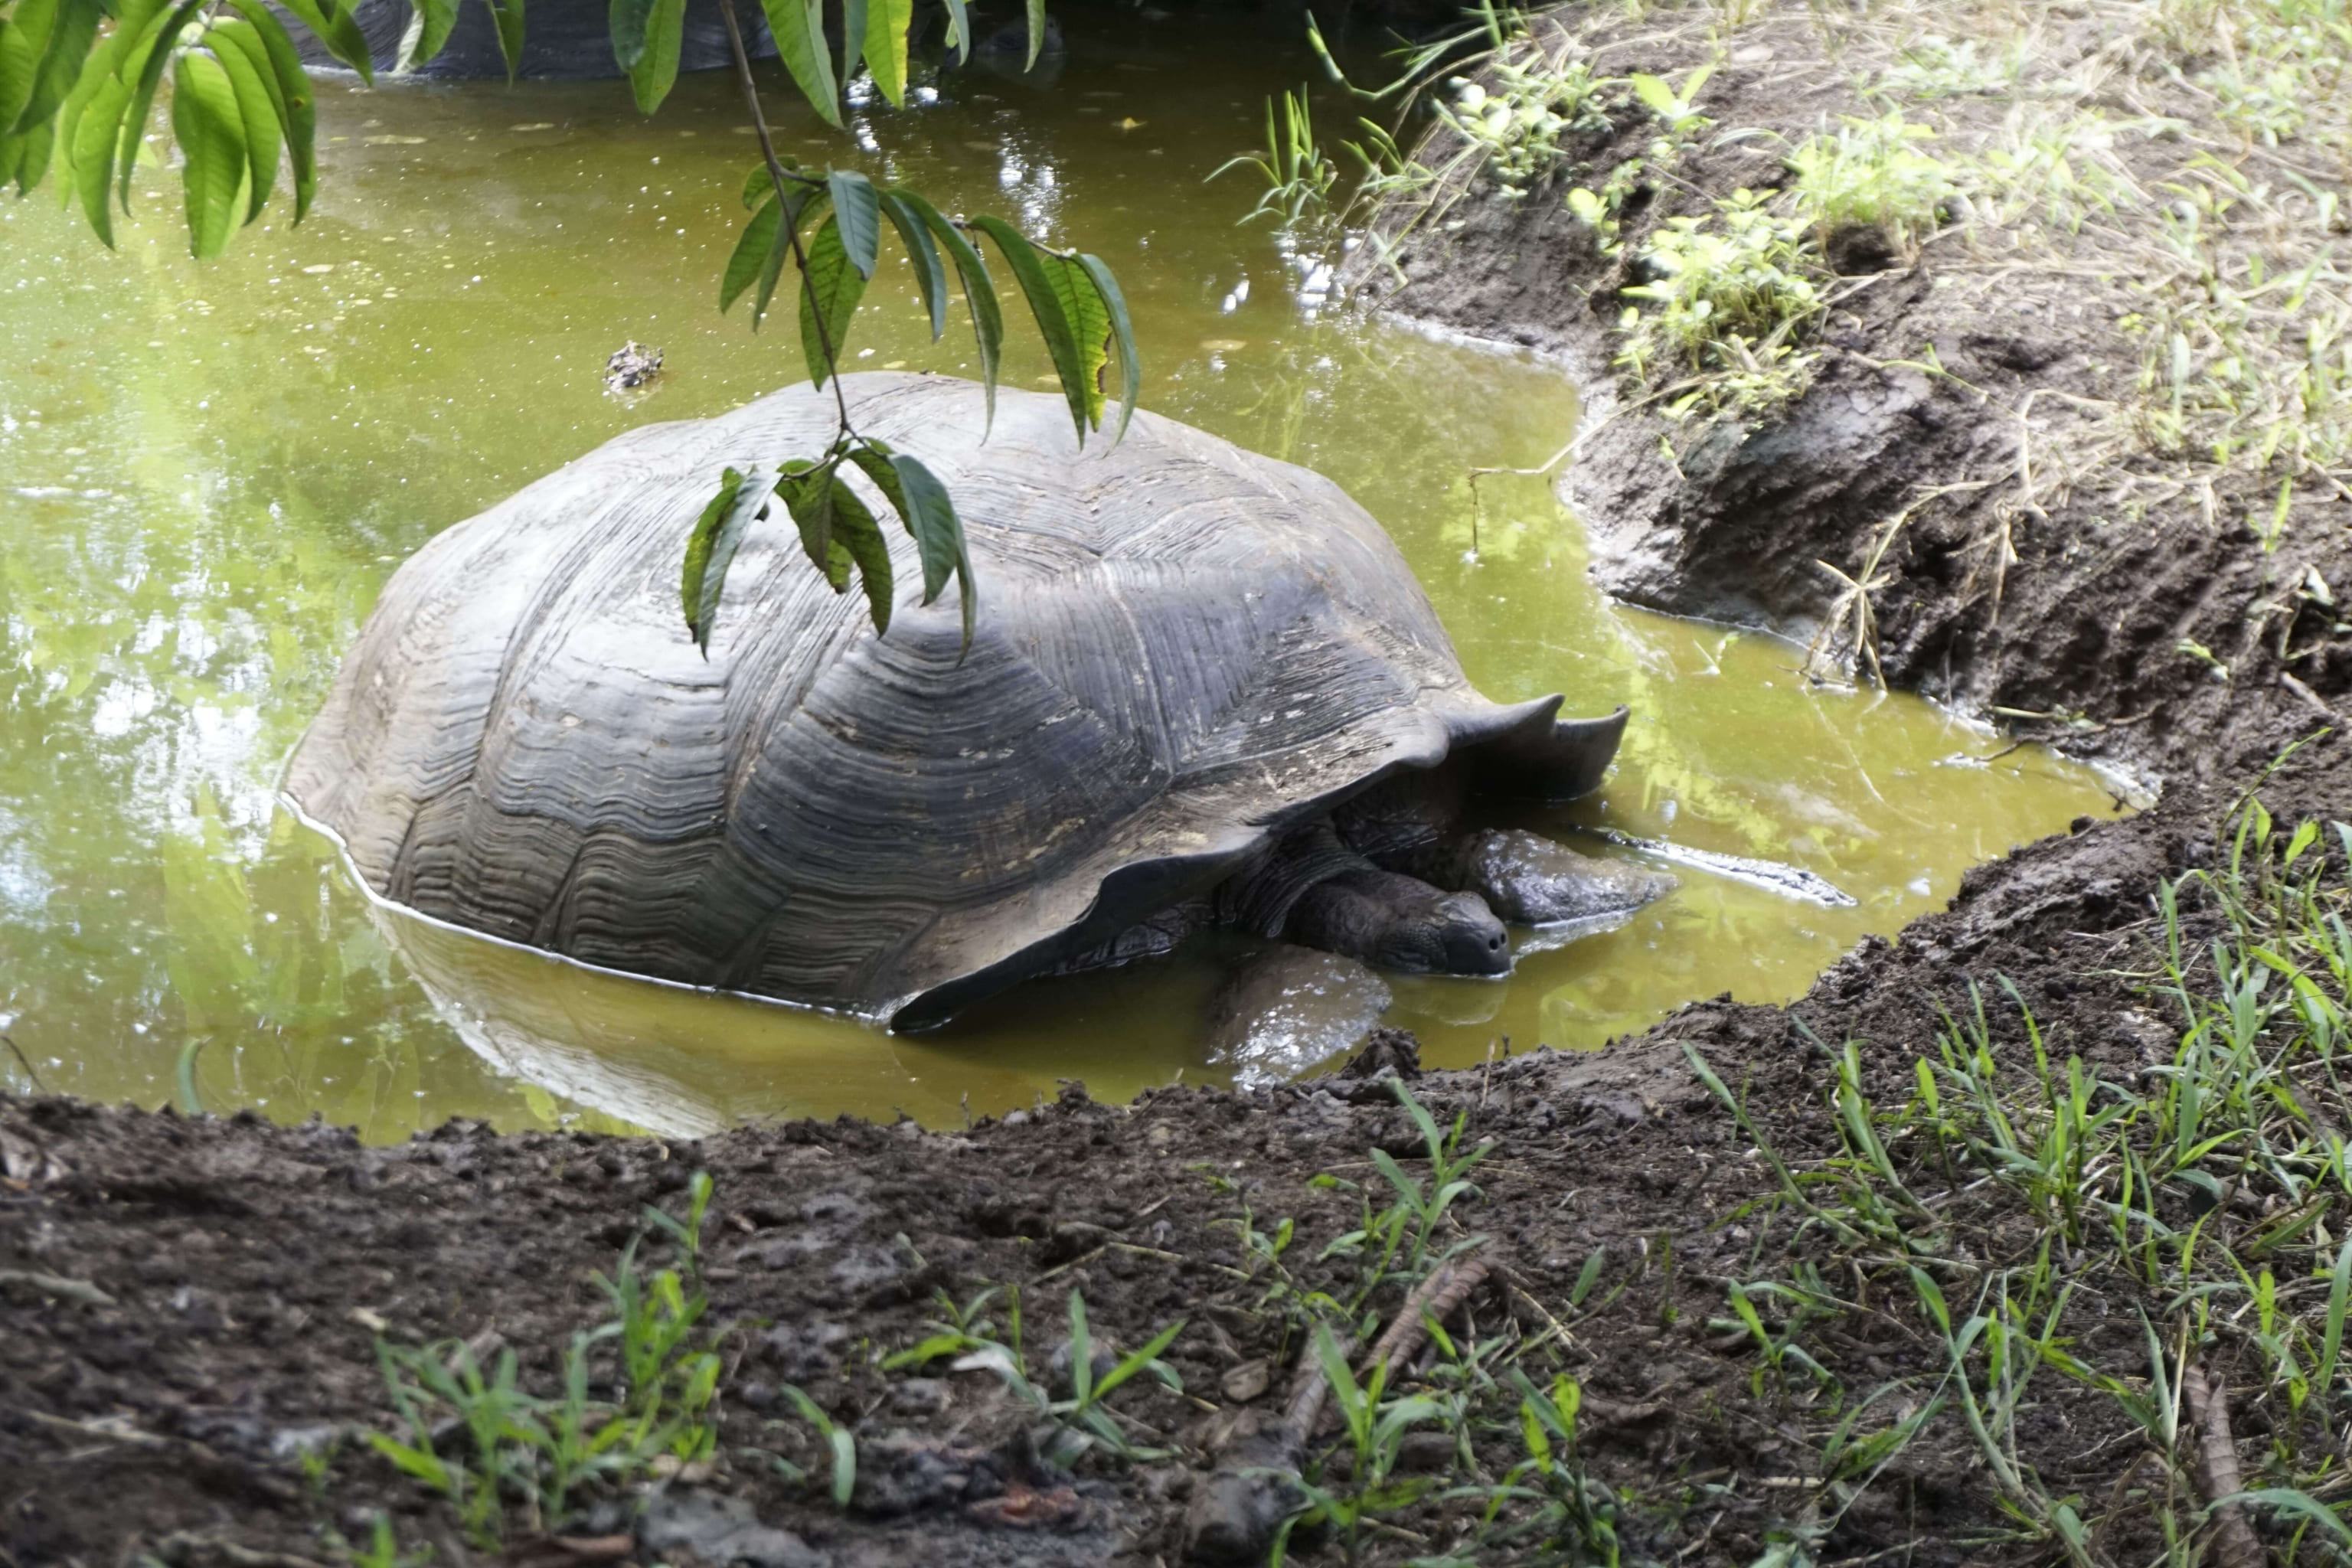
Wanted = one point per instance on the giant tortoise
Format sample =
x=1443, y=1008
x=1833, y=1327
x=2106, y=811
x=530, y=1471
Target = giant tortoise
x=1203, y=685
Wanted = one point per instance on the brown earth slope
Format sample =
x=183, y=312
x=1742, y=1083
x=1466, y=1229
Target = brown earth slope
x=1998, y=439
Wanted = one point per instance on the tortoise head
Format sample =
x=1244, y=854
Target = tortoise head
x=1454, y=934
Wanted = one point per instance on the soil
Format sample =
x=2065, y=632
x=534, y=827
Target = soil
x=189, y=1352
x=192, y=1305
x=2077, y=639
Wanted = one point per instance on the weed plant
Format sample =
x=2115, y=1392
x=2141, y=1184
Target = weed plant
x=536, y=1460
x=2028, y=1208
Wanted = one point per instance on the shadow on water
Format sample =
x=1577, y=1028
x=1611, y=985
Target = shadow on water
x=210, y=471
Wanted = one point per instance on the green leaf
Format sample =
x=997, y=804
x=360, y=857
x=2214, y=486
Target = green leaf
x=798, y=27
x=211, y=134
x=143, y=96
x=24, y=41
x=873, y=461
x=796, y=211
x=931, y=274
x=1140, y=1359
x=656, y=71
x=1082, y=1351
x=854, y=528
x=759, y=240
x=853, y=39
x=628, y=21
x=336, y=26
x=1655, y=95
x=1044, y=303
x=295, y=93
x=506, y=16
x=1089, y=321
x=857, y=208
x=238, y=48
x=887, y=22
x=978, y=293
x=33, y=155
x=93, y=155
x=830, y=289
x=808, y=496
x=939, y=536
x=845, y=1464
x=758, y=186
x=710, y=549
x=960, y=28
x=1036, y=16
x=429, y=24
x=67, y=52
x=2331, y=1344
x=1122, y=332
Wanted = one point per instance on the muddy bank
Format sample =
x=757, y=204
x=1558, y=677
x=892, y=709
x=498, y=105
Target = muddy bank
x=191, y=1362
x=1992, y=443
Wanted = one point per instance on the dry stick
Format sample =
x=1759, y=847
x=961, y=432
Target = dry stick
x=1434, y=1297
x=2216, y=1455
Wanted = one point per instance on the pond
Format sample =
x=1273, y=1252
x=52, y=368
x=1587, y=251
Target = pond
x=207, y=472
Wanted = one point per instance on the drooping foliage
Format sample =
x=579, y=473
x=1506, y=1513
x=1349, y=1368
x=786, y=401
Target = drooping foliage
x=79, y=84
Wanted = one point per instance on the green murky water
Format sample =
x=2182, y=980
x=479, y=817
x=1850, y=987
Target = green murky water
x=207, y=473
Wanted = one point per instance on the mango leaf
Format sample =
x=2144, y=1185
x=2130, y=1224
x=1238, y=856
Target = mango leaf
x=1122, y=330
x=857, y=208
x=750, y=257
x=758, y=186
x=807, y=490
x=91, y=154
x=830, y=289
x=206, y=122
x=23, y=39
x=335, y=26
x=855, y=530
x=238, y=50
x=31, y=157
x=798, y=27
x=979, y=291
x=931, y=274
x=656, y=71
x=873, y=461
x=65, y=51
x=294, y=91
x=1045, y=304
x=143, y=96
x=108, y=64
x=960, y=28
x=887, y=22
x=853, y=39
x=1083, y=307
x=710, y=549
x=628, y=20
x=797, y=212
x=1036, y=32
x=429, y=23
x=938, y=535
x=506, y=16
